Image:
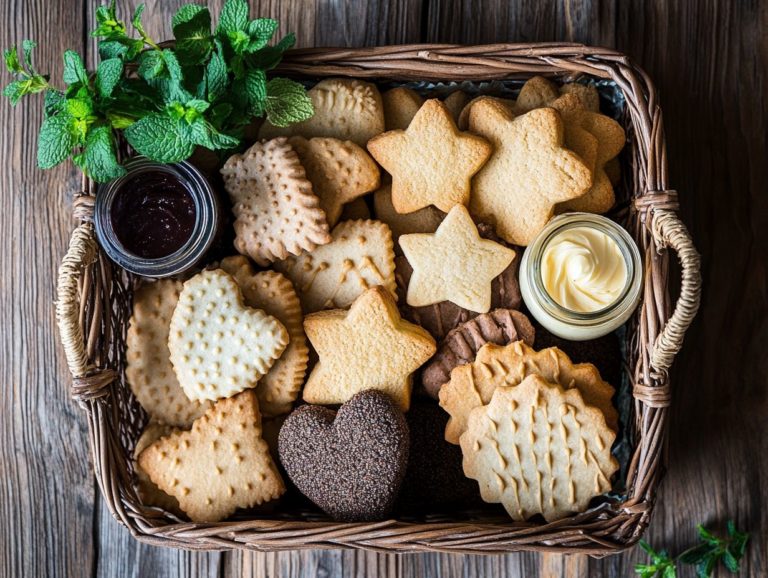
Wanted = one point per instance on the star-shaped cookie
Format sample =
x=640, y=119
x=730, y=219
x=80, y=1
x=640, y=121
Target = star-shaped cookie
x=529, y=173
x=431, y=162
x=367, y=347
x=454, y=264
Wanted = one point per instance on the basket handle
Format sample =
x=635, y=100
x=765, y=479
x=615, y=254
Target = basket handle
x=88, y=381
x=669, y=231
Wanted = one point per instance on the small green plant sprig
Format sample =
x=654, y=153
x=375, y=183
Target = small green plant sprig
x=165, y=101
x=705, y=556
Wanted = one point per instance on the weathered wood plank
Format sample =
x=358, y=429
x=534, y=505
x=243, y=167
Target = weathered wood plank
x=47, y=493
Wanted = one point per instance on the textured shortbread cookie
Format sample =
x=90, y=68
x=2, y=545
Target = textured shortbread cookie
x=472, y=385
x=535, y=93
x=455, y=102
x=220, y=465
x=538, y=449
x=400, y=106
x=340, y=171
x=500, y=326
x=507, y=103
x=425, y=220
x=529, y=172
x=276, y=212
x=219, y=346
x=275, y=295
x=149, y=493
x=356, y=210
x=360, y=255
x=148, y=361
x=367, y=347
x=344, y=109
x=431, y=162
x=454, y=264
x=587, y=95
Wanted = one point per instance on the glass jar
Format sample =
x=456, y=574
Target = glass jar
x=204, y=227
x=566, y=323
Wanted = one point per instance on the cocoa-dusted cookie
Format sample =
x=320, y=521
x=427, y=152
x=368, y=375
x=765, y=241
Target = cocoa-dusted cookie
x=350, y=463
x=500, y=326
x=439, y=319
x=434, y=476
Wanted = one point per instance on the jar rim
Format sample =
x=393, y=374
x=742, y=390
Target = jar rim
x=200, y=239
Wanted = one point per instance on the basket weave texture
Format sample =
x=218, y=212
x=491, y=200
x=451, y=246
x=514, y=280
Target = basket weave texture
x=94, y=305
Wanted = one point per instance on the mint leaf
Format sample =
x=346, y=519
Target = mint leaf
x=136, y=20
x=192, y=30
x=216, y=74
x=100, y=160
x=27, y=46
x=269, y=56
x=14, y=91
x=79, y=108
x=107, y=24
x=234, y=17
x=260, y=32
x=287, y=102
x=205, y=135
x=151, y=64
x=197, y=105
x=55, y=141
x=111, y=49
x=160, y=138
x=74, y=70
x=108, y=74
x=256, y=91
x=12, y=61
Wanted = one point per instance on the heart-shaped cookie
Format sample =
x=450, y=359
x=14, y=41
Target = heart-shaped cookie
x=350, y=463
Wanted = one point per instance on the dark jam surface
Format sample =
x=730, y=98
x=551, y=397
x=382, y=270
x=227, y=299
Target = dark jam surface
x=153, y=214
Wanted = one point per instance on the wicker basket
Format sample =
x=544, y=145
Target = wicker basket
x=94, y=303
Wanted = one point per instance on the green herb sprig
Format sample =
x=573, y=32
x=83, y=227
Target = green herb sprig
x=204, y=91
x=705, y=556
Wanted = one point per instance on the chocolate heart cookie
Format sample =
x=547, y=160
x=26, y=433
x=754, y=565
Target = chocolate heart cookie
x=350, y=463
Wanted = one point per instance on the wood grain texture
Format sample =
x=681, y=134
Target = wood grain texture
x=710, y=61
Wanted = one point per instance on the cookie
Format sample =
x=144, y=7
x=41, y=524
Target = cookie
x=355, y=210
x=148, y=360
x=500, y=326
x=425, y=220
x=454, y=264
x=219, y=346
x=535, y=93
x=496, y=366
x=274, y=294
x=360, y=255
x=538, y=449
x=149, y=493
x=431, y=162
x=528, y=174
x=439, y=319
x=340, y=172
x=507, y=103
x=220, y=465
x=586, y=93
x=434, y=476
x=276, y=212
x=350, y=463
x=455, y=103
x=367, y=347
x=344, y=109
x=400, y=106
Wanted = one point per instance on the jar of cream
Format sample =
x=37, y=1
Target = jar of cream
x=581, y=277
x=157, y=220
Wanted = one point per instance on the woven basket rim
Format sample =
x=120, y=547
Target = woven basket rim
x=92, y=316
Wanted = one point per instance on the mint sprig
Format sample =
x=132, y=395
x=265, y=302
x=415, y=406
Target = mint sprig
x=705, y=556
x=165, y=101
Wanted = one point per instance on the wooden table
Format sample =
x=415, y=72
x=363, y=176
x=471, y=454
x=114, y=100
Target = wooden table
x=709, y=60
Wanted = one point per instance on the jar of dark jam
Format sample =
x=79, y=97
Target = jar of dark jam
x=158, y=219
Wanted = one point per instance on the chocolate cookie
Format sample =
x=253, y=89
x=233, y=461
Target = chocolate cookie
x=440, y=318
x=434, y=476
x=500, y=326
x=350, y=463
